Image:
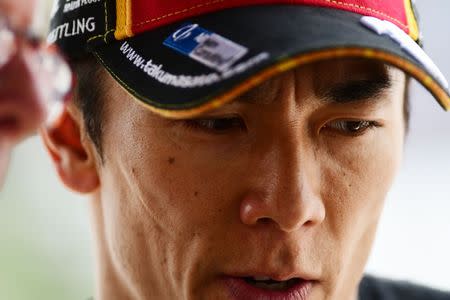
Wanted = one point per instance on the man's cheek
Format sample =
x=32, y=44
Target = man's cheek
x=355, y=183
x=171, y=196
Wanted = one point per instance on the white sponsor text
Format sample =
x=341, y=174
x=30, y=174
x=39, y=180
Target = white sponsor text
x=73, y=28
x=157, y=72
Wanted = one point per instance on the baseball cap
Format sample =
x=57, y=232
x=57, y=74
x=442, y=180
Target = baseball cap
x=182, y=58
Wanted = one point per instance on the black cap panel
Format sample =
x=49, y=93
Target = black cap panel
x=270, y=33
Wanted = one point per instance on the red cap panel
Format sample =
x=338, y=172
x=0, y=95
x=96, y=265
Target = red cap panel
x=146, y=15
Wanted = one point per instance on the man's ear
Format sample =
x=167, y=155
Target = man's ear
x=72, y=153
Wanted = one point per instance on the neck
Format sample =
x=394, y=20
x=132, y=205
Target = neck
x=109, y=284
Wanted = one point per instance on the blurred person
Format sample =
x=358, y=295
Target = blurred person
x=33, y=79
x=236, y=149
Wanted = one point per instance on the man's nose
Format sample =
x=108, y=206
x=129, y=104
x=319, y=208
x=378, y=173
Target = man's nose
x=287, y=192
x=22, y=92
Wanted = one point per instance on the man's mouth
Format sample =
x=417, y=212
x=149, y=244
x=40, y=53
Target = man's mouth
x=262, y=287
x=270, y=284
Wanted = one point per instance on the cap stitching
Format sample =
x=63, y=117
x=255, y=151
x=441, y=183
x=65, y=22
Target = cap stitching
x=106, y=21
x=100, y=36
x=180, y=12
x=218, y=1
x=106, y=16
x=369, y=9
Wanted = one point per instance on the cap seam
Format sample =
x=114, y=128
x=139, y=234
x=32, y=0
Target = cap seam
x=106, y=21
x=104, y=36
x=174, y=13
x=405, y=26
x=106, y=16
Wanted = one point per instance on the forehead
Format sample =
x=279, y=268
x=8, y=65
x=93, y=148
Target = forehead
x=319, y=77
x=336, y=70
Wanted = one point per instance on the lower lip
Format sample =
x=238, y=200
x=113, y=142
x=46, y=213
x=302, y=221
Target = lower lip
x=239, y=289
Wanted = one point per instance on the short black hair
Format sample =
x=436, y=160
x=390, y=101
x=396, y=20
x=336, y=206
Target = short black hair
x=89, y=91
x=88, y=98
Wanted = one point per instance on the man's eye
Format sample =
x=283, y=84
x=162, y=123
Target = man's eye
x=351, y=127
x=217, y=125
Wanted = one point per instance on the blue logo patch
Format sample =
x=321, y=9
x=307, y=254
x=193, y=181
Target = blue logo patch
x=205, y=47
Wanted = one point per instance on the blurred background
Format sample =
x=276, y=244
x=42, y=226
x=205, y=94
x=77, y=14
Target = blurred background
x=45, y=242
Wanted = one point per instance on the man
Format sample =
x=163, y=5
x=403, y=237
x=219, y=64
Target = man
x=238, y=149
x=32, y=78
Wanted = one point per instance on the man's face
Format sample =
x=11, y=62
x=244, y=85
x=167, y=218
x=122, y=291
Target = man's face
x=21, y=101
x=288, y=181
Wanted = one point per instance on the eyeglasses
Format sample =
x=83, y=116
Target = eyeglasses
x=50, y=63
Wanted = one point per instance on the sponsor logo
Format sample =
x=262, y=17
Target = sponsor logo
x=70, y=29
x=76, y=4
x=205, y=47
x=184, y=32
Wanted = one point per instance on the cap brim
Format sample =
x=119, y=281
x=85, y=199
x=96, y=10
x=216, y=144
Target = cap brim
x=278, y=38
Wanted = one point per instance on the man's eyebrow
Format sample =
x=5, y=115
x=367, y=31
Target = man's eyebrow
x=348, y=91
x=355, y=90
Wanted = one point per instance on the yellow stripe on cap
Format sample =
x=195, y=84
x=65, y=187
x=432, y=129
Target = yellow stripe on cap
x=124, y=20
x=412, y=21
